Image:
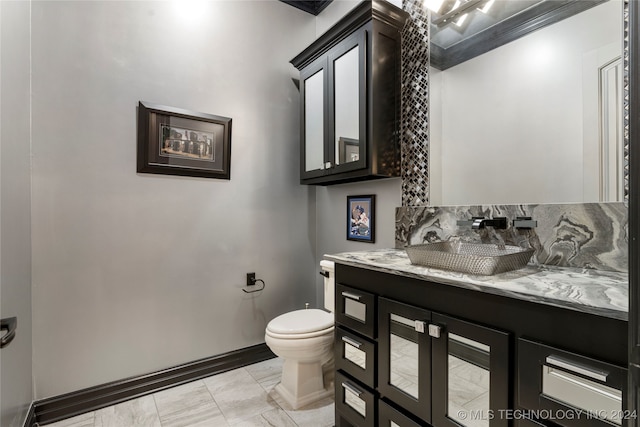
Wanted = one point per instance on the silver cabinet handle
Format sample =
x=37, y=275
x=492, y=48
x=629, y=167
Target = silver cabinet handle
x=351, y=296
x=588, y=371
x=351, y=388
x=352, y=342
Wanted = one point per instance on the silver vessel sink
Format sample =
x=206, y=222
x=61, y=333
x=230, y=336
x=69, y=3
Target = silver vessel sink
x=470, y=258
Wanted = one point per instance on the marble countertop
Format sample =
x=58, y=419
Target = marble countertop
x=604, y=293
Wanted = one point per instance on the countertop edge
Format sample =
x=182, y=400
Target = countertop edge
x=465, y=282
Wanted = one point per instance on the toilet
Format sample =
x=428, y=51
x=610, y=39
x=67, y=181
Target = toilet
x=304, y=340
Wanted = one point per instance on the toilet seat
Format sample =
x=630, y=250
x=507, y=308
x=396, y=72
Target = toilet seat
x=301, y=324
x=294, y=337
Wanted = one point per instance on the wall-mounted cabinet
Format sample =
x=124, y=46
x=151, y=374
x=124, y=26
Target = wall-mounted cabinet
x=350, y=98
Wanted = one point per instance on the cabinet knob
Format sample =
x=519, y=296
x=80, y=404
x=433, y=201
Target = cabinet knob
x=434, y=331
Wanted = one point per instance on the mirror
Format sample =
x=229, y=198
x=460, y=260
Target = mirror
x=346, y=107
x=536, y=120
x=314, y=120
x=404, y=353
x=468, y=381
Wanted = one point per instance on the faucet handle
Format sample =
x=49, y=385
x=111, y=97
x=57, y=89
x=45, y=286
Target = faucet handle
x=467, y=222
x=306, y=305
x=499, y=222
x=524, y=223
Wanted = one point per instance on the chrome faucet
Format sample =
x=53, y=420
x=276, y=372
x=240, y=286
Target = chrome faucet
x=498, y=222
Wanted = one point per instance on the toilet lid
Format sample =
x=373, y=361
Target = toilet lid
x=301, y=322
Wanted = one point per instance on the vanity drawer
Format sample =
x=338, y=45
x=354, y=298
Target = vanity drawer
x=356, y=356
x=390, y=416
x=355, y=403
x=573, y=389
x=356, y=310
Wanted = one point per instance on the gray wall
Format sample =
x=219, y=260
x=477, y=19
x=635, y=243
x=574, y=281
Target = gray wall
x=15, y=211
x=331, y=222
x=133, y=273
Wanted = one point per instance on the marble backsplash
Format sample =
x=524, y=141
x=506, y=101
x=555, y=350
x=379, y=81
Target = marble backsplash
x=582, y=235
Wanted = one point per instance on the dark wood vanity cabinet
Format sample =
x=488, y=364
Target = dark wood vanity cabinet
x=410, y=352
x=350, y=98
x=414, y=366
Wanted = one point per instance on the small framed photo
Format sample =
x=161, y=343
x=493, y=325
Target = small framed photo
x=361, y=218
x=173, y=141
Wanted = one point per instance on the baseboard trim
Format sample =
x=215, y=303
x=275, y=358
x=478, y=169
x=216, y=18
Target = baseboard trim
x=30, y=419
x=90, y=399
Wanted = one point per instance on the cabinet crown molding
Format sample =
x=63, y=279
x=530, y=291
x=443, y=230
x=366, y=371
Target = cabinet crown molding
x=376, y=9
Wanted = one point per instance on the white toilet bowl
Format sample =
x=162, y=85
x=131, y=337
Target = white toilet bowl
x=304, y=339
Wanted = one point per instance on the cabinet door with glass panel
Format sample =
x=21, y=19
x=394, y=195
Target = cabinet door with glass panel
x=334, y=110
x=404, y=356
x=470, y=377
x=347, y=103
x=314, y=123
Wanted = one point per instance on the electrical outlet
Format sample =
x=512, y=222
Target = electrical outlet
x=251, y=279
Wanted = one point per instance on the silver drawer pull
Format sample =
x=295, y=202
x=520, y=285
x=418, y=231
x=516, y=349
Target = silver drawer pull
x=351, y=296
x=352, y=342
x=577, y=368
x=351, y=388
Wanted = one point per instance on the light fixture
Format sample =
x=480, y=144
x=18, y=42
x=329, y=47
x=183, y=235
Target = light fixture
x=462, y=18
x=460, y=10
x=434, y=5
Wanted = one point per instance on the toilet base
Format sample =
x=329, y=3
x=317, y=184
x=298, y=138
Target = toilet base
x=305, y=383
x=300, y=401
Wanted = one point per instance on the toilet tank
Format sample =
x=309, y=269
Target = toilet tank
x=328, y=267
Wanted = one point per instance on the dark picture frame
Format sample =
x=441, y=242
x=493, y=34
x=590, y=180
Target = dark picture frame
x=174, y=141
x=361, y=218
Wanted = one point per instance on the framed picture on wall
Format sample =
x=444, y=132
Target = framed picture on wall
x=361, y=218
x=173, y=141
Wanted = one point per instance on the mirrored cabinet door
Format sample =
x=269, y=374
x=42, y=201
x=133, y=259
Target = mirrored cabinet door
x=347, y=97
x=314, y=123
x=404, y=365
x=470, y=374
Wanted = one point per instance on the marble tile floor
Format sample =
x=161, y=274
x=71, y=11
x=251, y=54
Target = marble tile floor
x=243, y=397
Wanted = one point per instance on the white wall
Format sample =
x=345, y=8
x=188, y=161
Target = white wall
x=333, y=13
x=507, y=126
x=133, y=273
x=15, y=211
